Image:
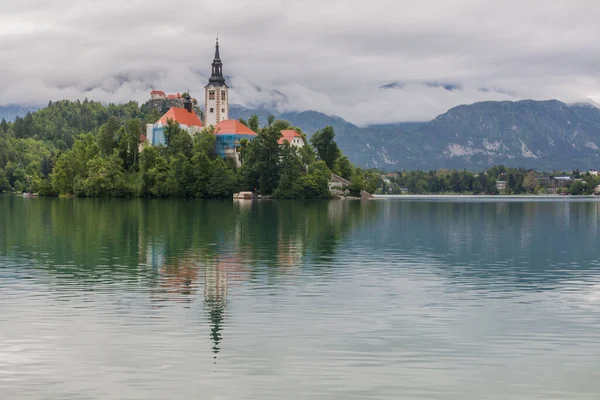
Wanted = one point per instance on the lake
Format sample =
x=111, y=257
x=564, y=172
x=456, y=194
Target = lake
x=387, y=299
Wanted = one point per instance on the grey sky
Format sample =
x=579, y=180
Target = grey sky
x=330, y=56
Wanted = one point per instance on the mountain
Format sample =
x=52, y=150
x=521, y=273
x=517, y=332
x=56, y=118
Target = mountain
x=533, y=134
x=9, y=113
x=544, y=135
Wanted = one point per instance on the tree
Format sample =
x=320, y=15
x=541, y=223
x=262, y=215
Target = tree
x=104, y=178
x=327, y=148
x=262, y=160
x=181, y=176
x=129, y=142
x=71, y=166
x=179, y=141
x=204, y=142
x=4, y=125
x=289, y=185
x=202, y=173
x=343, y=167
x=253, y=123
x=530, y=181
x=107, y=136
x=315, y=184
x=4, y=185
x=222, y=182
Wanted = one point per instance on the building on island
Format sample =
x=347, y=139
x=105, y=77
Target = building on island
x=185, y=117
x=216, y=93
x=157, y=95
x=229, y=134
x=292, y=137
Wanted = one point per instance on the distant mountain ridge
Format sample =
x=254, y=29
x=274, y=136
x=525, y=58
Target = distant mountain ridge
x=531, y=134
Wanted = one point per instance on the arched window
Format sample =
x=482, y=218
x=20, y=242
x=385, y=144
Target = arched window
x=212, y=110
x=222, y=110
x=211, y=95
x=223, y=95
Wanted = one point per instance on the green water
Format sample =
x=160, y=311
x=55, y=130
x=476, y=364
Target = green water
x=386, y=299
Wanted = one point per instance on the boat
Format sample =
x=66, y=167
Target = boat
x=244, y=196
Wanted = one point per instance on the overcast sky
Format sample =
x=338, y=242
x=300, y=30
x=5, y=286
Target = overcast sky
x=327, y=55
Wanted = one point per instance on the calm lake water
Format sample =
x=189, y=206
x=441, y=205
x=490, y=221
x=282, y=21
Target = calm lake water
x=387, y=299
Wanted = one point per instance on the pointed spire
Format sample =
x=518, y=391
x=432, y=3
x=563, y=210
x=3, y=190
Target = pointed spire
x=216, y=77
x=217, y=55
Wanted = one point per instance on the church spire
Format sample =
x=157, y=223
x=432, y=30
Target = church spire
x=217, y=55
x=216, y=78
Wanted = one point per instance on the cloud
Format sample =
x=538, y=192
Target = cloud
x=329, y=56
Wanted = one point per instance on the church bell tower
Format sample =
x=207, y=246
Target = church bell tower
x=216, y=94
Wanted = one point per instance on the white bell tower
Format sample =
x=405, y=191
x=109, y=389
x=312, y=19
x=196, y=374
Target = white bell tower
x=216, y=94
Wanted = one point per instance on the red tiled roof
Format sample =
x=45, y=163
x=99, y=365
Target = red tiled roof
x=182, y=116
x=172, y=96
x=142, y=138
x=233, y=126
x=157, y=92
x=288, y=135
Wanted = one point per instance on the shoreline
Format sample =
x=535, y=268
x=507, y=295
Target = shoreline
x=483, y=196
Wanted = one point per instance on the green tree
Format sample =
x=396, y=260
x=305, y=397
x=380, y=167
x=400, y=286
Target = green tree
x=343, y=167
x=315, y=184
x=222, y=182
x=71, y=166
x=530, y=181
x=253, y=123
x=4, y=125
x=181, y=176
x=202, y=173
x=262, y=160
x=4, y=185
x=107, y=136
x=327, y=149
x=204, y=142
x=291, y=170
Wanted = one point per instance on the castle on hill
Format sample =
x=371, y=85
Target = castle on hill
x=228, y=132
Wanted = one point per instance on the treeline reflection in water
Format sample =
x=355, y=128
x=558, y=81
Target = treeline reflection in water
x=178, y=249
x=182, y=253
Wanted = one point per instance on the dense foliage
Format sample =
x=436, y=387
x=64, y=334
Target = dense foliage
x=90, y=150
x=516, y=180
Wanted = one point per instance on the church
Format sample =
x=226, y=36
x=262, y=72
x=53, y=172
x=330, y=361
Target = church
x=228, y=132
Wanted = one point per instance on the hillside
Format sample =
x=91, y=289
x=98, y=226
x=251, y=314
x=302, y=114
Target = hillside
x=532, y=134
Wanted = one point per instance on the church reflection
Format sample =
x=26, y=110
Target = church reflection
x=268, y=242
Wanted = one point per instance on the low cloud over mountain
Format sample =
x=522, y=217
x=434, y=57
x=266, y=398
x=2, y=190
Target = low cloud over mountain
x=329, y=56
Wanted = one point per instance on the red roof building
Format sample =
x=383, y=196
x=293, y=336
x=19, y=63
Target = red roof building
x=158, y=92
x=292, y=137
x=181, y=116
x=233, y=126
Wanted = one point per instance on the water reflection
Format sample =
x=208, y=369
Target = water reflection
x=342, y=299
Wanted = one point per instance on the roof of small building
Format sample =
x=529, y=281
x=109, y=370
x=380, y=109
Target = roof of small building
x=289, y=135
x=233, y=126
x=143, y=138
x=157, y=92
x=181, y=116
